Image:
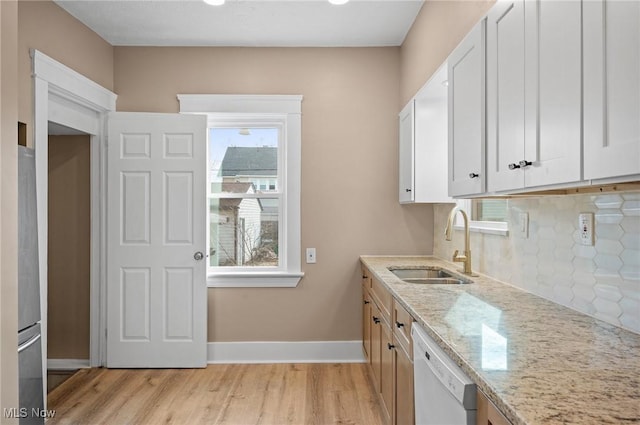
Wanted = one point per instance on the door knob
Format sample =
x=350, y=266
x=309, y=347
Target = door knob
x=525, y=163
x=514, y=166
x=198, y=256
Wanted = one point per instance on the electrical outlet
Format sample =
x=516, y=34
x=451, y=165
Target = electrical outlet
x=311, y=255
x=585, y=228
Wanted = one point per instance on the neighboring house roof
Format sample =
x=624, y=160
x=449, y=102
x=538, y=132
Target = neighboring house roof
x=249, y=161
x=236, y=187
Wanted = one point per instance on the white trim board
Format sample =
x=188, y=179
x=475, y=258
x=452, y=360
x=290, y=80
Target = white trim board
x=285, y=352
x=67, y=364
x=66, y=97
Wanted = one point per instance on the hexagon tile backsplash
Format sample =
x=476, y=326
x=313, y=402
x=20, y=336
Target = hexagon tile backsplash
x=602, y=280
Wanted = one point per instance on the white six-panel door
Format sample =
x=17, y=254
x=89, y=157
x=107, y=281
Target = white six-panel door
x=156, y=267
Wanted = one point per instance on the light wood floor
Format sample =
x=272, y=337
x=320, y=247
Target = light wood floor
x=219, y=394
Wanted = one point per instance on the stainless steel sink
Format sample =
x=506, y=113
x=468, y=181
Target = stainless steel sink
x=428, y=275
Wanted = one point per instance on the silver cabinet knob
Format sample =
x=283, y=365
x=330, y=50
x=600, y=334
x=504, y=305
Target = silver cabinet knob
x=198, y=256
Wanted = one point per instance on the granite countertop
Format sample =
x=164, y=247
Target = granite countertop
x=539, y=362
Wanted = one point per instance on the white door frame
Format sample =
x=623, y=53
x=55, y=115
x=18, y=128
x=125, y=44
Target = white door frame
x=66, y=97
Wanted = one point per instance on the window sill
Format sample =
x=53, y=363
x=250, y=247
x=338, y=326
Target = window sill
x=489, y=228
x=254, y=280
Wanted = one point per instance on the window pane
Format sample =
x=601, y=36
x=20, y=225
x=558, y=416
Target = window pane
x=243, y=155
x=490, y=210
x=243, y=232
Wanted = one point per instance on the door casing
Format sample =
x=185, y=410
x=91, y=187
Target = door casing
x=63, y=96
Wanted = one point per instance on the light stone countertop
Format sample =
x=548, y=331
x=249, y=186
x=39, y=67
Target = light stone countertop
x=539, y=362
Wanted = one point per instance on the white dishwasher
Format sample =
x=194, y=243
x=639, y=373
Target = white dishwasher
x=444, y=395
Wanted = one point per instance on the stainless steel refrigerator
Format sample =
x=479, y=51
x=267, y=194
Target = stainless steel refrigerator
x=31, y=391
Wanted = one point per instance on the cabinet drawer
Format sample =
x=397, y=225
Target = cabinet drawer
x=382, y=297
x=402, y=326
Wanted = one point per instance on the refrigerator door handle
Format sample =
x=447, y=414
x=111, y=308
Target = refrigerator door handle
x=29, y=343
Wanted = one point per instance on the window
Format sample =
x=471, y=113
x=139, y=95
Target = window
x=245, y=198
x=485, y=215
x=253, y=188
x=489, y=210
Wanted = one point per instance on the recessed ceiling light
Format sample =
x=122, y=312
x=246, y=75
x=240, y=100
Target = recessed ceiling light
x=338, y=2
x=214, y=2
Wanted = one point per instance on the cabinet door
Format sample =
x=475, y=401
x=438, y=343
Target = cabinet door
x=553, y=94
x=487, y=413
x=387, y=388
x=466, y=67
x=611, y=88
x=366, y=324
x=405, y=154
x=505, y=95
x=405, y=414
x=376, y=343
x=430, y=140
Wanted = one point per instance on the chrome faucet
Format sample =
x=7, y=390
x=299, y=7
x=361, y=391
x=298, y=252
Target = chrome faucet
x=465, y=258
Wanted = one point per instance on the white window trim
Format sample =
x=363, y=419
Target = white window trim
x=228, y=107
x=500, y=228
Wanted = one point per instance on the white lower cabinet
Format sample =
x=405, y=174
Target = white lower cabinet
x=611, y=89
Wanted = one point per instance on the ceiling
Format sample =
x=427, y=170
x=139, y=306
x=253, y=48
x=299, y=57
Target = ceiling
x=262, y=23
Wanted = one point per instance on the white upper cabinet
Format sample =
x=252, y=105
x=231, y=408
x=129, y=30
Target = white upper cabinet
x=466, y=151
x=405, y=153
x=423, y=144
x=553, y=97
x=611, y=89
x=505, y=95
x=533, y=94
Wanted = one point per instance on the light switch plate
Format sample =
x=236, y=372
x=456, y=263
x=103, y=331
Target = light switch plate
x=585, y=228
x=311, y=255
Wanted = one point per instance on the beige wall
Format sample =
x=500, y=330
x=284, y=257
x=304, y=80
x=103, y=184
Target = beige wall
x=69, y=247
x=8, y=208
x=349, y=181
x=437, y=30
x=44, y=26
x=349, y=172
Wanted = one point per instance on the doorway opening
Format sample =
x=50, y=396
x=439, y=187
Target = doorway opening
x=69, y=252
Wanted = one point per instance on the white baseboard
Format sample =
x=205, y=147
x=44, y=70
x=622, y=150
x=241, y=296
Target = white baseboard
x=285, y=352
x=67, y=364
